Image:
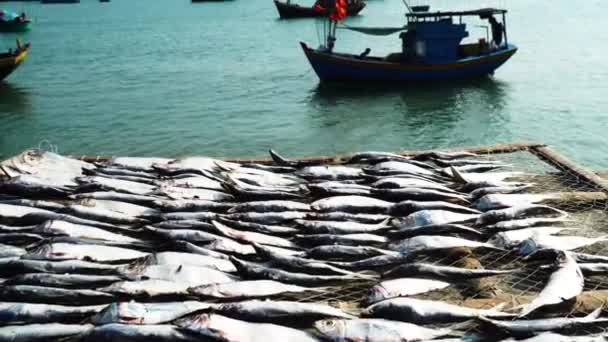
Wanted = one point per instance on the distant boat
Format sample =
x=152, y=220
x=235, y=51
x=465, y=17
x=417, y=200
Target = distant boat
x=13, y=22
x=288, y=10
x=60, y=1
x=9, y=61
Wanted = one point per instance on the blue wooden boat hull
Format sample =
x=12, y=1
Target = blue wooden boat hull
x=344, y=67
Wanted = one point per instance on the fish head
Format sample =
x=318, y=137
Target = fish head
x=333, y=328
x=127, y=313
x=376, y=294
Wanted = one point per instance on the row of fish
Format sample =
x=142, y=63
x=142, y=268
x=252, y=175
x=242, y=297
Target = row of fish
x=197, y=248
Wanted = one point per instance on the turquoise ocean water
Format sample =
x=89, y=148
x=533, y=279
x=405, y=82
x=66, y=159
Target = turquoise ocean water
x=170, y=78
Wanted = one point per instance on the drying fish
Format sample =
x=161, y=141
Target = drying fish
x=331, y=227
x=352, y=204
x=177, y=216
x=418, y=194
x=110, y=184
x=141, y=333
x=565, y=283
x=115, y=196
x=375, y=155
x=345, y=239
x=38, y=217
x=53, y=295
x=559, y=242
x=589, y=258
x=188, y=247
x=179, y=193
x=526, y=223
x=119, y=207
x=109, y=216
x=276, y=311
x=376, y=261
x=146, y=313
x=251, y=237
x=433, y=229
x=432, y=242
x=421, y=311
x=137, y=163
x=263, y=179
x=346, y=252
x=146, y=288
x=478, y=168
x=198, y=182
x=500, y=201
x=14, y=212
x=176, y=258
x=340, y=216
x=512, y=238
x=191, y=205
x=258, y=228
x=518, y=212
x=474, y=180
x=193, y=165
x=464, y=162
x=188, y=274
x=227, y=329
x=410, y=182
x=329, y=172
x=15, y=229
x=257, y=271
x=444, y=273
x=267, y=206
x=7, y=251
x=260, y=194
x=300, y=264
x=66, y=251
x=185, y=224
x=42, y=332
x=268, y=168
x=267, y=218
x=62, y=228
x=397, y=167
x=553, y=337
x=530, y=327
x=327, y=190
x=226, y=245
x=24, y=313
x=46, y=205
x=68, y=266
x=282, y=161
x=479, y=193
x=443, y=155
x=33, y=186
x=375, y=330
x=247, y=289
x=184, y=234
x=405, y=208
x=403, y=287
x=433, y=217
x=63, y=280
x=117, y=171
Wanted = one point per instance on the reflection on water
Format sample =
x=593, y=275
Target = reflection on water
x=13, y=99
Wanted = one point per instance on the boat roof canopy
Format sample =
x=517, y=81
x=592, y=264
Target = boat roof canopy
x=482, y=13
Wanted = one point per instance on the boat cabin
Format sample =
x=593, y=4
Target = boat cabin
x=436, y=37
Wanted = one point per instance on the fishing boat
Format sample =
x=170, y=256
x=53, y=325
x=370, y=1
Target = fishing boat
x=289, y=10
x=431, y=49
x=9, y=61
x=13, y=22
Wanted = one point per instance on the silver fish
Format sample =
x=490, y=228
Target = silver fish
x=7, y=251
x=328, y=190
x=589, y=258
x=193, y=164
x=464, y=162
x=187, y=274
x=564, y=283
x=346, y=252
x=340, y=216
x=511, y=238
x=53, y=295
x=525, y=223
x=267, y=218
x=66, y=251
x=20, y=313
x=433, y=229
x=149, y=288
x=375, y=330
x=258, y=228
x=230, y=246
x=553, y=337
x=333, y=227
x=176, y=258
x=46, y=205
x=275, y=311
x=374, y=155
x=352, y=204
x=191, y=205
x=529, y=327
x=251, y=237
x=247, y=289
x=12, y=212
x=407, y=207
x=266, y=206
x=430, y=217
x=103, y=215
x=329, y=172
x=137, y=163
x=228, y=329
x=34, y=186
x=376, y=261
x=187, y=215
x=478, y=193
x=67, y=266
x=559, y=242
x=518, y=212
x=146, y=313
x=198, y=182
x=432, y=242
x=63, y=228
x=141, y=333
x=256, y=271
x=117, y=171
x=501, y=201
x=185, y=224
x=110, y=184
x=62, y=280
x=419, y=194
x=179, y=193
x=444, y=155
x=421, y=311
x=41, y=332
x=396, y=167
x=184, y=234
x=403, y=287
x=345, y=239
x=188, y=247
x=444, y=273
x=409, y=182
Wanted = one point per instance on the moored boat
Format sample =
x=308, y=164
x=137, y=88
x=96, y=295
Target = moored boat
x=432, y=50
x=13, y=22
x=289, y=10
x=9, y=61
